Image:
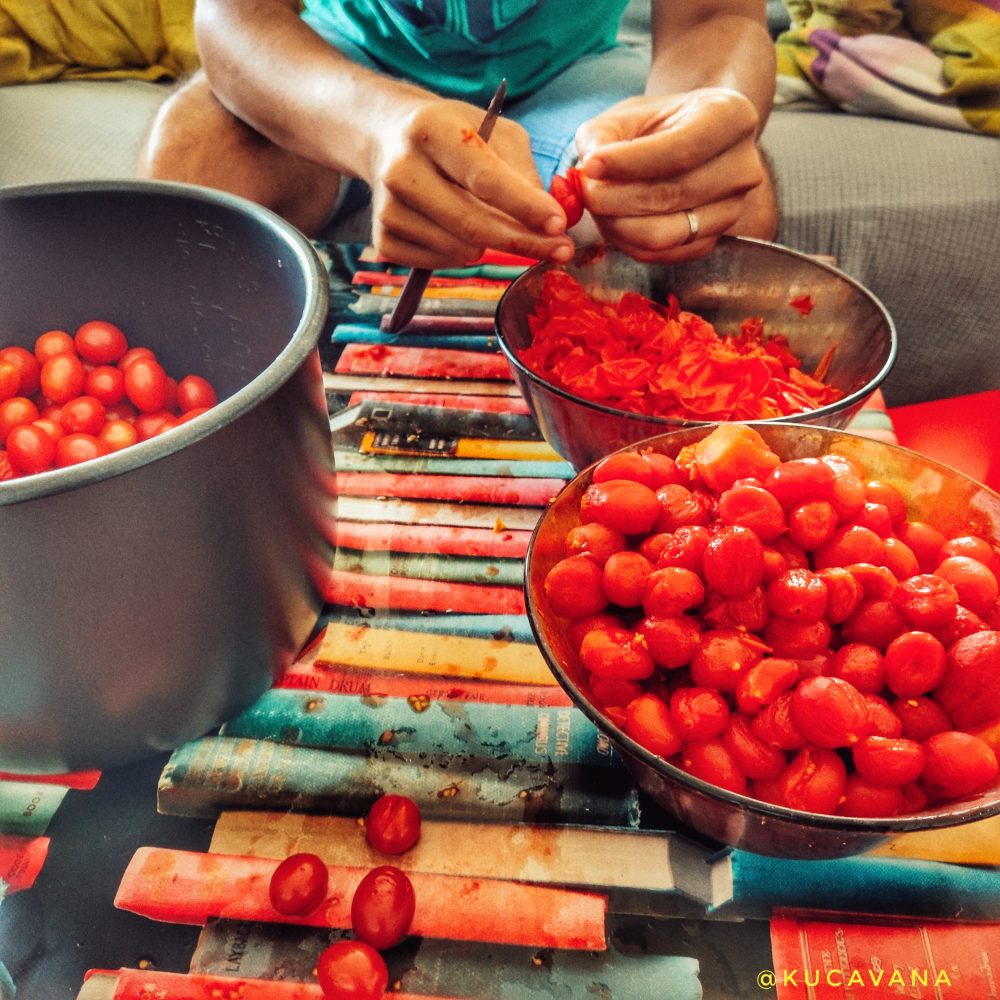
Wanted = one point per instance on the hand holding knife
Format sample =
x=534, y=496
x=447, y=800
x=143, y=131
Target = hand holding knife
x=416, y=282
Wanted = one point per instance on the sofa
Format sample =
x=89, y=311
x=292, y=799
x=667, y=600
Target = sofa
x=909, y=210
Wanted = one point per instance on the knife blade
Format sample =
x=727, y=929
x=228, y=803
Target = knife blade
x=416, y=281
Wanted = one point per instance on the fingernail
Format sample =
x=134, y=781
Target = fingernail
x=554, y=225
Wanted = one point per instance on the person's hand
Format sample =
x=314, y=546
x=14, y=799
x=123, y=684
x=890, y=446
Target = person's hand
x=440, y=195
x=664, y=177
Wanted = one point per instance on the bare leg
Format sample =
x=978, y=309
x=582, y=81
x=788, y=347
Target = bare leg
x=194, y=139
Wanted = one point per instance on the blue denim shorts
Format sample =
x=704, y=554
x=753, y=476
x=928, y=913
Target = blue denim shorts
x=551, y=115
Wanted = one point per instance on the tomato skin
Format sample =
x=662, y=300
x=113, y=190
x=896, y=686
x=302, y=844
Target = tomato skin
x=30, y=449
x=100, y=342
x=352, y=970
x=568, y=191
x=299, y=884
x=382, y=907
x=146, y=385
x=393, y=824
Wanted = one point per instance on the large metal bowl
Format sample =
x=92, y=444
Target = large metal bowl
x=739, y=278
x=935, y=493
x=149, y=594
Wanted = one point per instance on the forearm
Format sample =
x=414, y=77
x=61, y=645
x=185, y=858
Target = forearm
x=713, y=45
x=272, y=71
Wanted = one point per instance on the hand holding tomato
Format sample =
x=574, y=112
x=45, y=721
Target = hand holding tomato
x=649, y=160
x=441, y=195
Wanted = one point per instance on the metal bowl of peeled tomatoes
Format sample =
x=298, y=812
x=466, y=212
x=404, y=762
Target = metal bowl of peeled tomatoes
x=607, y=350
x=154, y=590
x=789, y=633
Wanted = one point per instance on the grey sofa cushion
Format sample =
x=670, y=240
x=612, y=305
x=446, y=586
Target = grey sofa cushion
x=913, y=213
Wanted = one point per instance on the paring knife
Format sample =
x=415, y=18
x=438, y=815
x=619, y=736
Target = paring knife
x=416, y=281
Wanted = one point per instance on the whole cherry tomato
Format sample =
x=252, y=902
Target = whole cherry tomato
x=14, y=411
x=62, y=377
x=299, y=884
x=51, y=343
x=76, y=448
x=100, y=342
x=27, y=364
x=30, y=449
x=83, y=415
x=382, y=907
x=352, y=970
x=146, y=385
x=195, y=392
x=393, y=824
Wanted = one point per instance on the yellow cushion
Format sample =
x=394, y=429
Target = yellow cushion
x=65, y=39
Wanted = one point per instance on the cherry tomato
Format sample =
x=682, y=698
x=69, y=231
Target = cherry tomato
x=195, y=392
x=393, y=824
x=814, y=780
x=799, y=595
x=671, y=642
x=698, y=713
x=30, y=449
x=764, y=681
x=132, y=354
x=620, y=504
x=734, y=561
x=574, y=586
x=755, y=758
x=382, y=907
x=625, y=575
x=868, y=800
x=753, y=507
x=974, y=582
x=146, y=385
x=595, y=540
x=616, y=652
x=106, y=383
x=649, y=468
x=723, y=656
x=829, y=712
x=83, y=415
x=10, y=379
x=27, y=364
x=711, y=761
x=568, y=191
x=52, y=343
x=670, y=591
x=76, y=448
x=885, y=761
x=118, y=434
x=861, y=664
x=14, y=411
x=62, y=377
x=153, y=422
x=915, y=663
x=100, y=342
x=956, y=764
x=649, y=723
x=352, y=970
x=299, y=884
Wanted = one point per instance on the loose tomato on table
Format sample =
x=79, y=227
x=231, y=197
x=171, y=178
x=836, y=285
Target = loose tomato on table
x=382, y=907
x=352, y=970
x=392, y=825
x=299, y=884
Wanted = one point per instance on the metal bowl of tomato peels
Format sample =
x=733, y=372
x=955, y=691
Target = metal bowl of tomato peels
x=782, y=784
x=600, y=371
x=154, y=591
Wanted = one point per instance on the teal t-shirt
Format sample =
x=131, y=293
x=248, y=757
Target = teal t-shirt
x=463, y=48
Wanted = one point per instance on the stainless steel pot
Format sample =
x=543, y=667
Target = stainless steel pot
x=148, y=595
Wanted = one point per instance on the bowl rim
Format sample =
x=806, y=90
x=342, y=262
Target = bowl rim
x=672, y=423
x=764, y=811
x=301, y=343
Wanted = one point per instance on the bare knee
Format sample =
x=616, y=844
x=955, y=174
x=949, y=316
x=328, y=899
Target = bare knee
x=194, y=139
